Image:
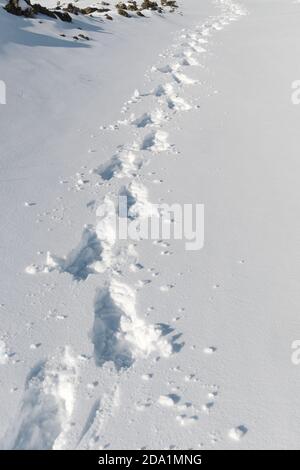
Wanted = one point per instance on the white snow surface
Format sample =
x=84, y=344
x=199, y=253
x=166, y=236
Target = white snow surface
x=142, y=344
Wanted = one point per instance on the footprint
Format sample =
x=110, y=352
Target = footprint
x=193, y=46
x=177, y=103
x=164, y=69
x=142, y=121
x=155, y=119
x=181, y=78
x=122, y=165
x=80, y=262
x=156, y=142
x=173, y=101
x=187, y=58
x=47, y=405
x=119, y=335
x=138, y=204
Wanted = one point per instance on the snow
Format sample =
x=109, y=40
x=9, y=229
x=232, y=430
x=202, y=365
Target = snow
x=3, y=353
x=168, y=400
x=23, y=5
x=192, y=348
x=237, y=433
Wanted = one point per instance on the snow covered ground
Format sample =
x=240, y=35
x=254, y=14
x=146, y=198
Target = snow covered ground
x=122, y=344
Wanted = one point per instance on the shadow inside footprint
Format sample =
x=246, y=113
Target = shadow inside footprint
x=167, y=330
x=79, y=262
x=109, y=342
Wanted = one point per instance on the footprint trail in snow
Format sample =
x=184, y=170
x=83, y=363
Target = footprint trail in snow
x=120, y=333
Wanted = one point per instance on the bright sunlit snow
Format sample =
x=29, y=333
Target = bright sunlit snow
x=145, y=341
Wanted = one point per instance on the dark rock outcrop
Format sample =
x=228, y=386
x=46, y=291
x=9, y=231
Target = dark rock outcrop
x=30, y=11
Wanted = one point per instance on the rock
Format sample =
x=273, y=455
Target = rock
x=63, y=16
x=169, y=3
x=121, y=6
x=132, y=5
x=82, y=36
x=19, y=8
x=123, y=13
x=70, y=8
x=39, y=9
x=24, y=8
x=149, y=5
